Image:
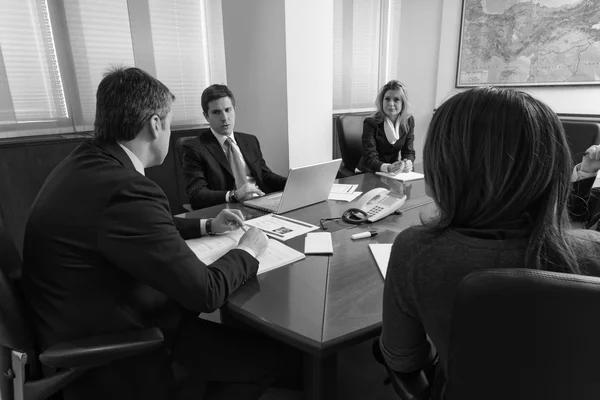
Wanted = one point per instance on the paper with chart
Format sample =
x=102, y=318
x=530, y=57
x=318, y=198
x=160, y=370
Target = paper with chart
x=280, y=227
x=381, y=252
x=403, y=176
x=210, y=248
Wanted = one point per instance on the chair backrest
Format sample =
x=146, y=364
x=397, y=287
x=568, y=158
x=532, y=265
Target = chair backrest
x=581, y=135
x=349, y=131
x=179, y=163
x=15, y=333
x=525, y=334
x=168, y=175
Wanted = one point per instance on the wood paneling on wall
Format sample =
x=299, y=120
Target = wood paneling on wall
x=25, y=163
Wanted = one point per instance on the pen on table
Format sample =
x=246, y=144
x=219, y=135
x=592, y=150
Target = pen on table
x=364, y=235
x=235, y=225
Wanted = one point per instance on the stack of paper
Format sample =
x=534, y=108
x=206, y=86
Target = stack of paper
x=318, y=243
x=343, y=192
x=210, y=248
x=403, y=176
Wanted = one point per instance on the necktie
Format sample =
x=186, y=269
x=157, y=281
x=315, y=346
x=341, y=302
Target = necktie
x=235, y=163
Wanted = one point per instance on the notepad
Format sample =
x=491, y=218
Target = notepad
x=403, y=176
x=318, y=243
x=381, y=252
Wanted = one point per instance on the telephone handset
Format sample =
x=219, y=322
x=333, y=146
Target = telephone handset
x=379, y=203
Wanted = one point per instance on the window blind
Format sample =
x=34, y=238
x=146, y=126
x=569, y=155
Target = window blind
x=365, y=39
x=31, y=90
x=189, y=55
x=100, y=37
x=48, y=85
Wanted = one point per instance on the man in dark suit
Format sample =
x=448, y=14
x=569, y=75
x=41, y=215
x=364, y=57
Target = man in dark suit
x=223, y=166
x=102, y=254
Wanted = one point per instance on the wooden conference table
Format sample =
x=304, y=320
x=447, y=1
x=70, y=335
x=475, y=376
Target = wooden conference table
x=322, y=304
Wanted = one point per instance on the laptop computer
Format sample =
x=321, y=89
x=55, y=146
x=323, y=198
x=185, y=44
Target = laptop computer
x=305, y=185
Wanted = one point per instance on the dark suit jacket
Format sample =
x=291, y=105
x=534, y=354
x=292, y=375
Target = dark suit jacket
x=377, y=150
x=102, y=253
x=207, y=172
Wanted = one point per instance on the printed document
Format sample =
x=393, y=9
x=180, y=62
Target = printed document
x=210, y=248
x=281, y=227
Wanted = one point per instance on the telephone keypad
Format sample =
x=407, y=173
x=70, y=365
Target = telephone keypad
x=374, y=210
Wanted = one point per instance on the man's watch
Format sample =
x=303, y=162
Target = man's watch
x=232, y=198
x=208, y=227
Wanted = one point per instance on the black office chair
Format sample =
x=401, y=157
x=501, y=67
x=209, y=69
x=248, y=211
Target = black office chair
x=21, y=378
x=178, y=166
x=408, y=386
x=581, y=135
x=525, y=334
x=349, y=131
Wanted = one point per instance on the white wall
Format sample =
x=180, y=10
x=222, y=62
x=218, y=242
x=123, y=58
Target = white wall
x=428, y=60
x=279, y=57
x=255, y=55
x=420, y=30
x=573, y=100
x=309, y=43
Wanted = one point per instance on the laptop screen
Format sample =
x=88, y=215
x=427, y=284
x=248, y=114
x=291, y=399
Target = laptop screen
x=305, y=185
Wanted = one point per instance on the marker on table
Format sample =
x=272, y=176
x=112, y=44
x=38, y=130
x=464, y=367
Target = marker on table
x=364, y=235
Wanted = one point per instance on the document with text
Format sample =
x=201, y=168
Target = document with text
x=281, y=227
x=210, y=248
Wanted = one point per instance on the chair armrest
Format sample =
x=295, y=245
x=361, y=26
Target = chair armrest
x=409, y=386
x=344, y=172
x=100, y=350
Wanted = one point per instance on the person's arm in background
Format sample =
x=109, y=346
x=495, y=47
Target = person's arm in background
x=138, y=235
x=408, y=150
x=369, y=146
x=583, y=200
x=274, y=181
x=194, y=172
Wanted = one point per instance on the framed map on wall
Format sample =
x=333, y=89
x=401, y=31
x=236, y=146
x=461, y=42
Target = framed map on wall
x=529, y=43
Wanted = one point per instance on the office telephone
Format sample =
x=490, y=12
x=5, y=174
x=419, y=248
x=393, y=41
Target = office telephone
x=379, y=203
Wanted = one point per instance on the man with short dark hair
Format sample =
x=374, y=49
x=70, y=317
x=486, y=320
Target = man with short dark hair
x=223, y=166
x=103, y=254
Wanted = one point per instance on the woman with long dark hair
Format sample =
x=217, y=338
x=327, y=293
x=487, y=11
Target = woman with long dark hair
x=498, y=165
x=388, y=135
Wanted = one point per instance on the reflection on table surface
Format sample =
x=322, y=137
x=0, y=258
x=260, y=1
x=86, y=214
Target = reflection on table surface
x=322, y=303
